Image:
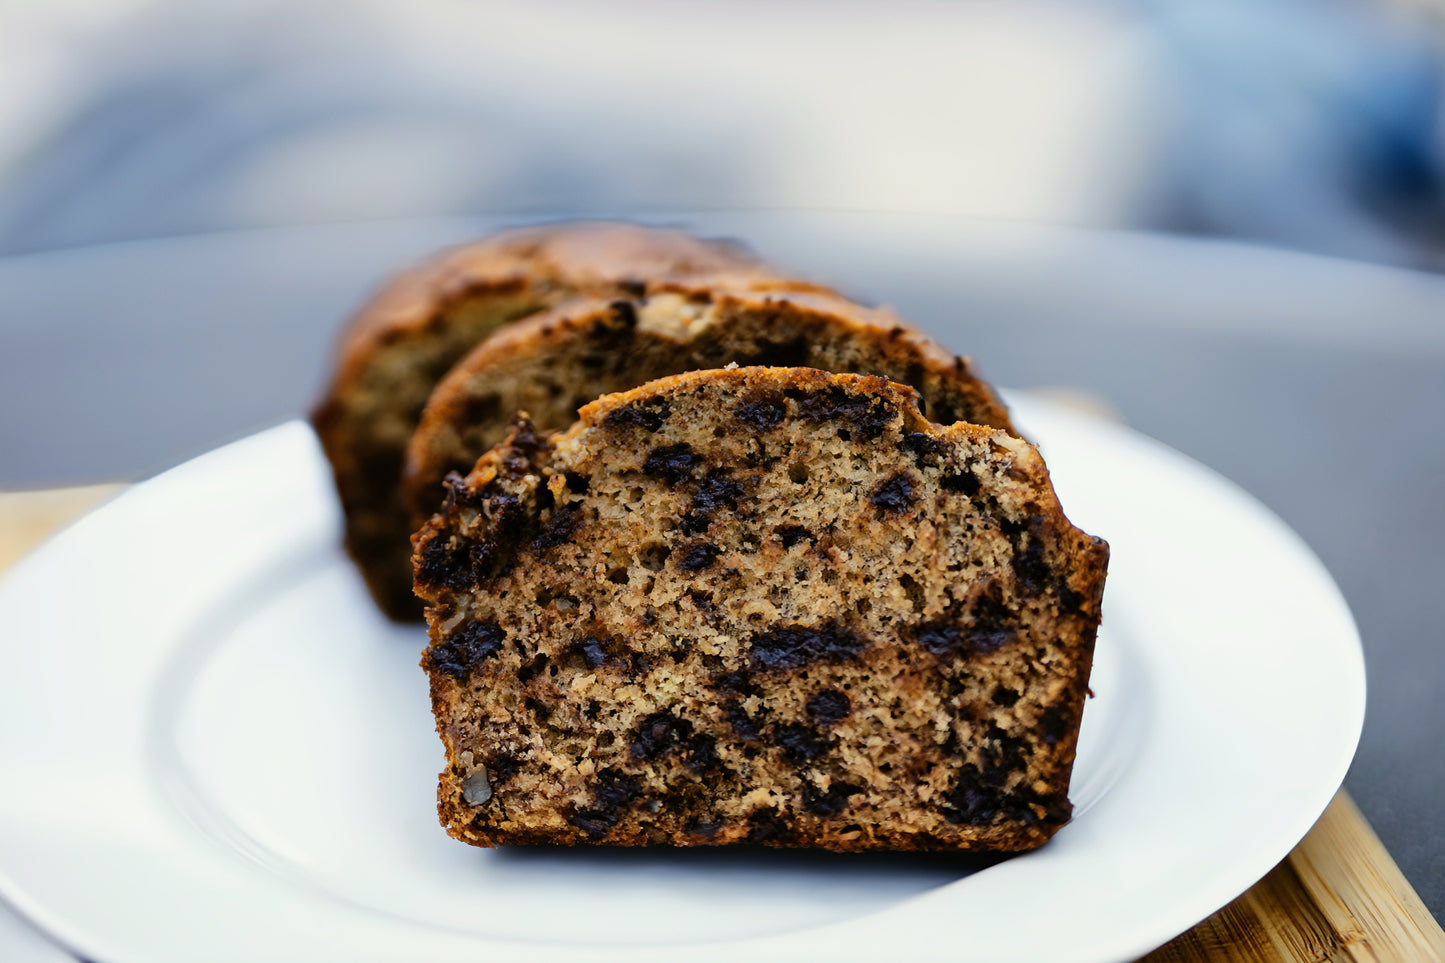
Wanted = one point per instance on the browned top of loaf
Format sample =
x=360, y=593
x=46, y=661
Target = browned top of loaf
x=554, y=361
x=583, y=255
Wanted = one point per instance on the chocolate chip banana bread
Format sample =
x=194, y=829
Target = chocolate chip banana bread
x=553, y=363
x=403, y=341
x=764, y=605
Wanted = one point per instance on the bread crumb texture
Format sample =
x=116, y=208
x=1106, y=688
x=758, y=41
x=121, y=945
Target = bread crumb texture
x=554, y=363
x=762, y=605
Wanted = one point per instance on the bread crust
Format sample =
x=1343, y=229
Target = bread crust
x=943, y=715
x=404, y=339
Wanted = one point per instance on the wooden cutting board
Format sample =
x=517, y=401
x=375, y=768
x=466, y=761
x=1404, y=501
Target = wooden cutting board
x=1337, y=897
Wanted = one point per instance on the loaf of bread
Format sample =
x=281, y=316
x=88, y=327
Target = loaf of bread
x=764, y=605
x=554, y=363
x=409, y=335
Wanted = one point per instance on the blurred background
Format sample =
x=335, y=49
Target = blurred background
x=1055, y=187
x=1315, y=124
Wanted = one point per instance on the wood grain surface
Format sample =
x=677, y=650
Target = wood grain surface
x=1337, y=897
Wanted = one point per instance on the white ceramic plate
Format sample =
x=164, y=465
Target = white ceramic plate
x=211, y=746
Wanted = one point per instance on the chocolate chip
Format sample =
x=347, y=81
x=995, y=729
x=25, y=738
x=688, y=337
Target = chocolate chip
x=594, y=822
x=993, y=623
x=768, y=826
x=717, y=491
x=522, y=448
x=789, y=647
x=509, y=523
x=829, y=706
x=800, y=743
x=559, y=527
x=894, y=494
x=615, y=789
x=612, y=791
x=830, y=403
x=468, y=644
x=963, y=481
x=829, y=803
x=662, y=733
x=1003, y=754
x=987, y=625
x=949, y=638
x=445, y=560
x=459, y=494
x=696, y=556
x=1007, y=698
x=869, y=415
x=971, y=801
x=705, y=828
x=451, y=560
x=1069, y=600
x=761, y=415
x=739, y=682
x=1054, y=725
x=648, y=415
x=503, y=766
x=744, y=725
x=942, y=638
x=592, y=652
x=624, y=313
x=656, y=734
x=673, y=464
x=792, y=534
x=978, y=798
x=920, y=445
x=1028, y=561
x=702, y=753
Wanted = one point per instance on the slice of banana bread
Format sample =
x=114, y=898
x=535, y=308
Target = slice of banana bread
x=402, y=342
x=553, y=363
x=765, y=605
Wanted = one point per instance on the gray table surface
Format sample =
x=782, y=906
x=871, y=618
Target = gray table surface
x=1317, y=385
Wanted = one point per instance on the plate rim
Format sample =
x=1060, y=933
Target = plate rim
x=1349, y=703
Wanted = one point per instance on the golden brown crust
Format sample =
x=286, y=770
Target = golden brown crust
x=409, y=334
x=556, y=361
x=574, y=256
x=837, y=626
